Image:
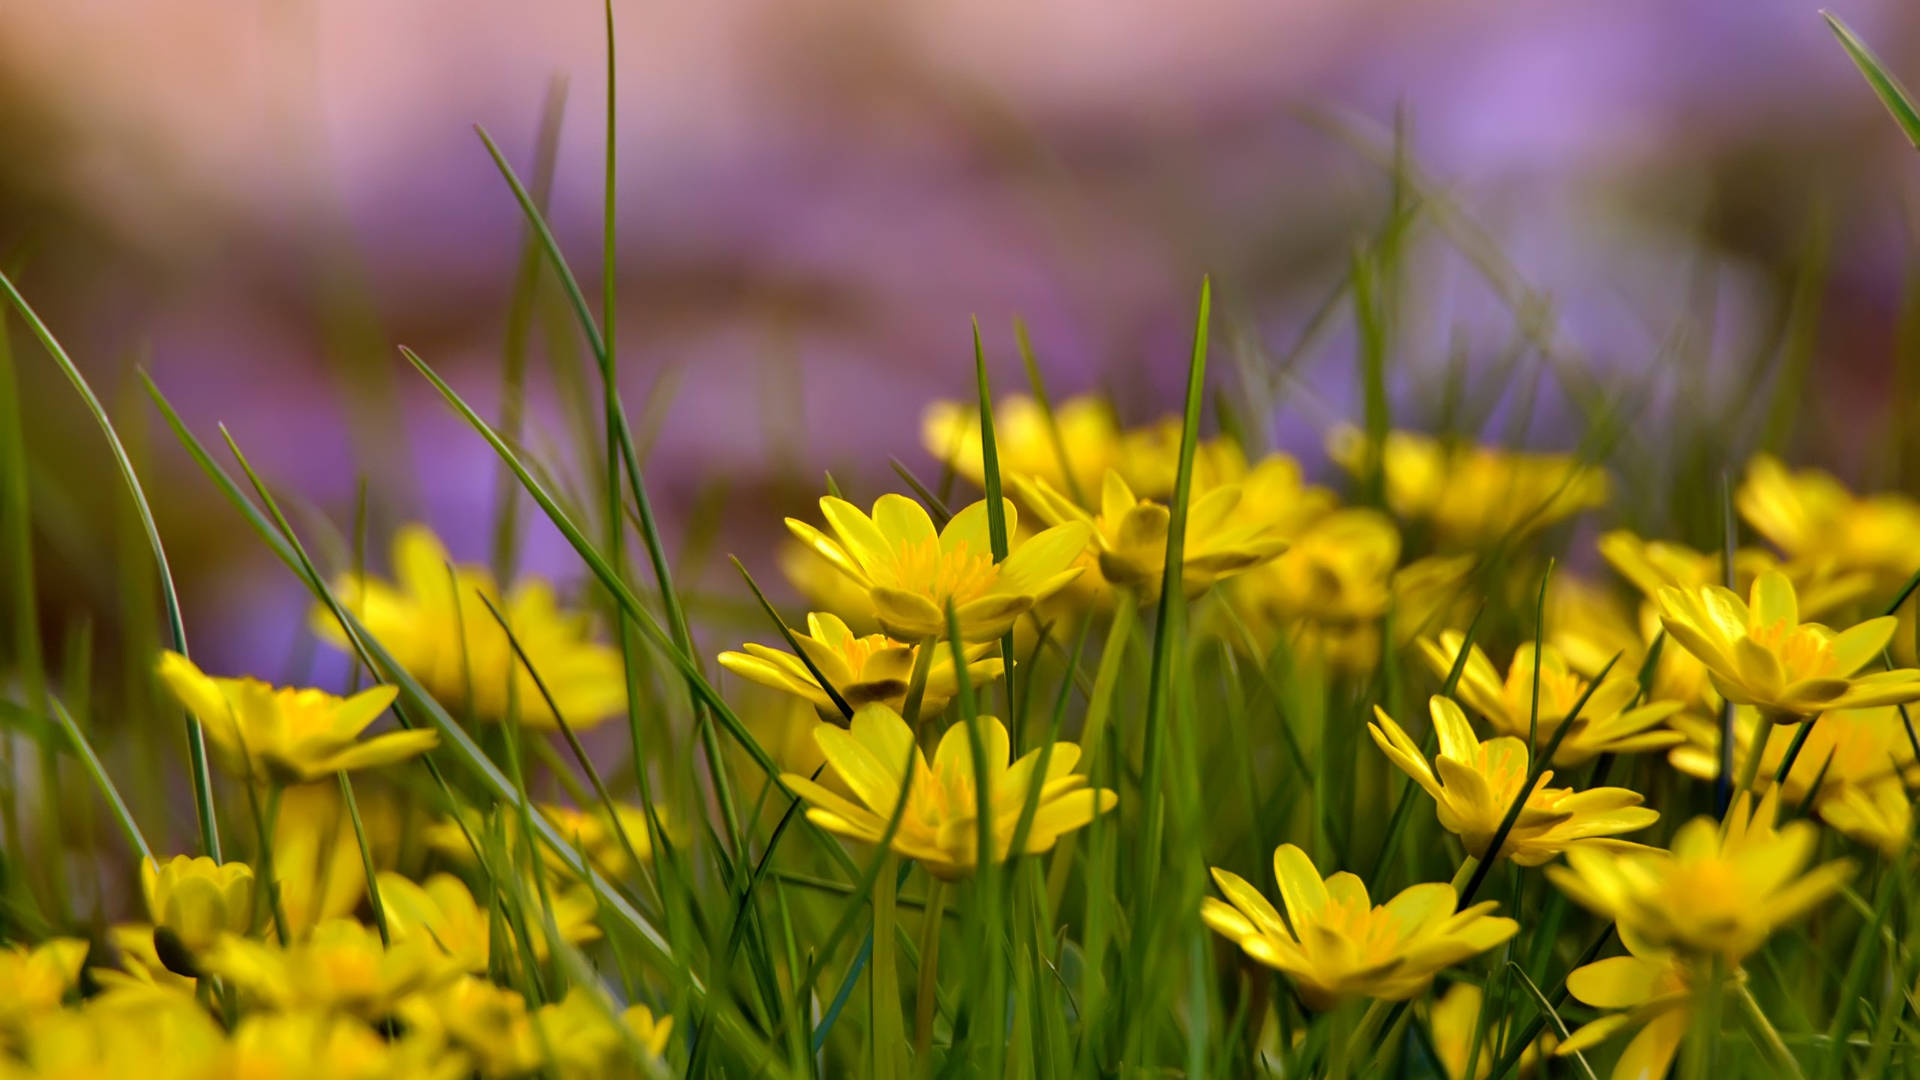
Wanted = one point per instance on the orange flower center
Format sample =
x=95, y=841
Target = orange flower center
x=1802, y=651
x=958, y=575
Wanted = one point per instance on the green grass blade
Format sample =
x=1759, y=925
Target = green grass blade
x=176, y=626
x=1895, y=97
x=78, y=741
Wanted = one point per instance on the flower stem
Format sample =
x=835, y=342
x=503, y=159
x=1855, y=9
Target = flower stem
x=926, y=998
x=917, y=682
x=1750, y=768
x=1766, y=1032
x=1465, y=874
x=1099, y=705
x=887, y=1032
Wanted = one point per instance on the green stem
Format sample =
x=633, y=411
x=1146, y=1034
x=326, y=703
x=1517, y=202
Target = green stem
x=927, y=996
x=1750, y=768
x=267, y=878
x=1362, y=1035
x=887, y=1031
x=917, y=683
x=1126, y=610
x=1465, y=874
x=1764, y=1029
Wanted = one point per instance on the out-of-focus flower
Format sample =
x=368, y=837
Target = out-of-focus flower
x=1083, y=441
x=35, y=978
x=1129, y=534
x=1652, y=565
x=604, y=839
x=434, y=622
x=140, y=963
x=117, y=1034
x=913, y=572
x=1811, y=516
x=1715, y=893
x=340, y=966
x=1453, y=1022
x=316, y=856
x=862, y=669
x=1336, y=945
x=199, y=900
x=317, y=1045
x=1608, y=723
x=287, y=736
x=1474, y=496
x=1431, y=595
x=1652, y=990
x=1473, y=783
x=1761, y=654
x=939, y=827
x=441, y=910
x=1590, y=625
x=1327, y=592
x=575, y=1037
x=1858, y=757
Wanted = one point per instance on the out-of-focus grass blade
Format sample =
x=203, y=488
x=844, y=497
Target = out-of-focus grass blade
x=1895, y=97
x=78, y=741
x=196, y=742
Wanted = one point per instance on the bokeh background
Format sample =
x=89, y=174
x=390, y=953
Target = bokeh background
x=257, y=202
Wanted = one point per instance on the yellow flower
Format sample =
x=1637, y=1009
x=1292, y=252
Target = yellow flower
x=1713, y=894
x=33, y=979
x=1129, y=534
x=1761, y=654
x=1089, y=437
x=198, y=899
x=1336, y=945
x=913, y=573
x=442, y=911
x=825, y=588
x=1454, y=1022
x=1652, y=565
x=585, y=1042
x=118, y=1034
x=1590, y=625
x=939, y=826
x=1473, y=783
x=599, y=836
x=1857, y=756
x=862, y=669
x=288, y=736
x=1327, y=592
x=1608, y=723
x=435, y=624
x=1431, y=595
x=1655, y=992
x=341, y=965
x=140, y=963
x=316, y=856
x=573, y=1037
x=299, y=1045
x=1812, y=516
x=1473, y=495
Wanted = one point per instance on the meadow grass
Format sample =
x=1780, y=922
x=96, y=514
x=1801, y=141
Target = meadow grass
x=1219, y=689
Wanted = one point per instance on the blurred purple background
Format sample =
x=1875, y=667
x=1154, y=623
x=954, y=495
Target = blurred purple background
x=256, y=202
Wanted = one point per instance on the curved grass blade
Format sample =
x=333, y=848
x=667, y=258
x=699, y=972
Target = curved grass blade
x=1896, y=98
x=176, y=626
x=101, y=780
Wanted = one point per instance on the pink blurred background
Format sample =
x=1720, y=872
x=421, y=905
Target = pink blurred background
x=257, y=202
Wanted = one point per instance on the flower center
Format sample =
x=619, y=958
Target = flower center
x=1802, y=650
x=958, y=575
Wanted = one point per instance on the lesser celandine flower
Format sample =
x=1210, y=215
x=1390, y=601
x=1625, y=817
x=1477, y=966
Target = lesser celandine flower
x=913, y=572
x=1609, y=722
x=825, y=588
x=1653, y=990
x=861, y=669
x=434, y=622
x=198, y=899
x=575, y=1037
x=441, y=910
x=1129, y=534
x=340, y=965
x=1721, y=891
x=1473, y=783
x=1759, y=653
x=876, y=758
x=1473, y=495
x=606, y=840
x=1454, y=1022
x=317, y=1044
x=287, y=736
x=1089, y=439
x=1812, y=517
x=36, y=977
x=1856, y=757
x=1325, y=595
x=1335, y=945
x=1652, y=565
